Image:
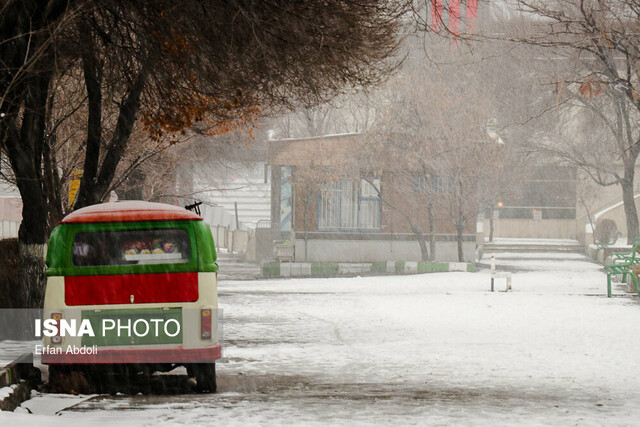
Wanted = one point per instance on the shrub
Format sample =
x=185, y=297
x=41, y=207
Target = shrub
x=324, y=269
x=605, y=231
x=379, y=267
x=271, y=269
x=433, y=267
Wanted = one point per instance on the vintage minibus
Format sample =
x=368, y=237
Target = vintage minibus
x=141, y=280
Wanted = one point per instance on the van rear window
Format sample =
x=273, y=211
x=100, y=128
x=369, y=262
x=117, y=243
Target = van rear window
x=129, y=247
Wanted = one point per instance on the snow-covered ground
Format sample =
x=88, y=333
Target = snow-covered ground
x=423, y=349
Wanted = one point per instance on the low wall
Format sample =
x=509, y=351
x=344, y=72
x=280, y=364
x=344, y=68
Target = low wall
x=377, y=247
x=234, y=241
x=9, y=229
x=328, y=269
x=601, y=254
x=238, y=241
x=220, y=236
x=533, y=229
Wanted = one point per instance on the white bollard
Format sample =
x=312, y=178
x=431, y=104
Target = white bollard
x=494, y=274
x=493, y=270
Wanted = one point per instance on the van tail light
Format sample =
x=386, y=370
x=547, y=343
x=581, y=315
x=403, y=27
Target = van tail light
x=205, y=323
x=57, y=339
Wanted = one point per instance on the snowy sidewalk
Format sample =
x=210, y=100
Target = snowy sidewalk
x=424, y=349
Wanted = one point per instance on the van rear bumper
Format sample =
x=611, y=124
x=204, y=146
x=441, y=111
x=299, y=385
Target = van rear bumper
x=155, y=355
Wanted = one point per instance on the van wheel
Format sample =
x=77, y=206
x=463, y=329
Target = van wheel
x=68, y=379
x=56, y=378
x=205, y=375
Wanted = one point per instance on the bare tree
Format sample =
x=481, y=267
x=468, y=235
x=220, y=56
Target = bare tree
x=432, y=137
x=306, y=181
x=595, y=88
x=28, y=32
x=169, y=64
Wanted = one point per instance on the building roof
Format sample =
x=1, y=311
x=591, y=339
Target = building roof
x=318, y=151
x=129, y=211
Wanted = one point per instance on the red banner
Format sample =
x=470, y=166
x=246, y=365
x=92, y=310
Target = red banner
x=472, y=9
x=472, y=14
x=454, y=18
x=436, y=14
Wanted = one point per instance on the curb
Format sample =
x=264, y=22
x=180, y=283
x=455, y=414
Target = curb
x=21, y=376
x=20, y=393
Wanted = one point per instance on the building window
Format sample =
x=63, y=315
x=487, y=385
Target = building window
x=368, y=190
x=349, y=206
x=434, y=184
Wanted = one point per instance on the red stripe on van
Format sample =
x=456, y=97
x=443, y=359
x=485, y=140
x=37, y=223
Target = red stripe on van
x=118, y=289
x=148, y=355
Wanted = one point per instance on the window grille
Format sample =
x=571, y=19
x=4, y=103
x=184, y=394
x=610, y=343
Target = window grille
x=434, y=184
x=344, y=205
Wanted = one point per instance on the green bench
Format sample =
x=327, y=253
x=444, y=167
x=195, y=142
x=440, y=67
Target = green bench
x=623, y=263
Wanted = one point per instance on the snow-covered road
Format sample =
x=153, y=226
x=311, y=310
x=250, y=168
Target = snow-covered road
x=423, y=349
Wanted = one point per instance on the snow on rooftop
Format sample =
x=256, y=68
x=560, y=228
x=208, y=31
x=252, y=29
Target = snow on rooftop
x=312, y=138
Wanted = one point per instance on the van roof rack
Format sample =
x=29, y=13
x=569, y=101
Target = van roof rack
x=194, y=207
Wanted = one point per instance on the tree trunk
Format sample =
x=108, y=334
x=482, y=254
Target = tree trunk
x=491, y=228
x=432, y=236
x=415, y=229
x=460, y=229
x=25, y=77
x=459, y=240
x=306, y=227
x=51, y=176
x=424, y=253
x=25, y=153
x=630, y=210
x=98, y=184
x=92, y=70
x=53, y=188
x=32, y=273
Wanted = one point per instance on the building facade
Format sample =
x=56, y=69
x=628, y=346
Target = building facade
x=339, y=211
